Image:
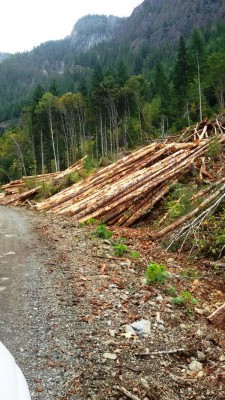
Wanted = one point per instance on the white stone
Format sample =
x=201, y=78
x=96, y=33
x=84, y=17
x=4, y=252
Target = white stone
x=201, y=355
x=110, y=356
x=195, y=366
x=144, y=383
x=142, y=327
x=130, y=330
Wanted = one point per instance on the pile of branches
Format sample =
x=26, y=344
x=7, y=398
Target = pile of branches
x=16, y=192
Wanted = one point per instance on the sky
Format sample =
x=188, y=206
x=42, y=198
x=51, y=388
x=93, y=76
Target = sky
x=27, y=23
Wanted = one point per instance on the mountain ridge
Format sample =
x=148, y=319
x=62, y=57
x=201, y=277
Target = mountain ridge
x=158, y=22
x=149, y=34
x=91, y=30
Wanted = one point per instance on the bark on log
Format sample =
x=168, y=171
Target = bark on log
x=157, y=174
x=21, y=197
x=113, y=173
x=146, y=206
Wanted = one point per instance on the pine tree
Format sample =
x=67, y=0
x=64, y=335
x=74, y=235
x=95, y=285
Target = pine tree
x=197, y=50
x=162, y=90
x=181, y=77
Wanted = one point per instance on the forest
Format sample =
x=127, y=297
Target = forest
x=113, y=104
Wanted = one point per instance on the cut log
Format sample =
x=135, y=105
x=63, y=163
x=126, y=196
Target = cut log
x=23, y=196
x=108, y=175
x=188, y=216
x=139, y=181
x=218, y=318
x=142, y=211
x=215, y=264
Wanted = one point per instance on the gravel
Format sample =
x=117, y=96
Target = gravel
x=38, y=315
x=66, y=307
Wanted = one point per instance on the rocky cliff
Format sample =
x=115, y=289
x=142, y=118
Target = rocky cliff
x=158, y=22
x=94, y=29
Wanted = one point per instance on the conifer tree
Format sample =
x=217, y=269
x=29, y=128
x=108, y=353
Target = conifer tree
x=197, y=49
x=181, y=79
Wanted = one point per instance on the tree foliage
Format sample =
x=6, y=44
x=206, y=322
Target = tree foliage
x=102, y=105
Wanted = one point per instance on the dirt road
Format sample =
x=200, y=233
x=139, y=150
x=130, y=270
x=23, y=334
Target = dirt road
x=66, y=302
x=32, y=323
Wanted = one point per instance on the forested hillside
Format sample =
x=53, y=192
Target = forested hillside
x=125, y=88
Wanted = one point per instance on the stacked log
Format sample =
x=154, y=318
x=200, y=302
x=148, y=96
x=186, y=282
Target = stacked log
x=16, y=191
x=13, y=187
x=125, y=191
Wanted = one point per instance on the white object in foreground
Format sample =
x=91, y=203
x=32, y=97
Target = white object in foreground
x=13, y=385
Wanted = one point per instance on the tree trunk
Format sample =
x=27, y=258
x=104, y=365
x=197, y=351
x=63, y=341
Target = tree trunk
x=52, y=136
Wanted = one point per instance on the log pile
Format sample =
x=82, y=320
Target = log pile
x=125, y=192
x=16, y=192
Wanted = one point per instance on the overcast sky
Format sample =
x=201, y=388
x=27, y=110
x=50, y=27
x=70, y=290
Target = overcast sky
x=27, y=23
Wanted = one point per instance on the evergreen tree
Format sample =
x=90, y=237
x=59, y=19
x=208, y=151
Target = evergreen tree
x=181, y=77
x=216, y=76
x=162, y=90
x=197, y=50
x=121, y=73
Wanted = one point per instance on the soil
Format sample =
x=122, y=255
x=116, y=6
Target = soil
x=68, y=301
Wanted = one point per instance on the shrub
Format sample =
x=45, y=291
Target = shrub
x=70, y=179
x=209, y=239
x=180, y=203
x=91, y=221
x=120, y=249
x=31, y=183
x=89, y=164
x=171, y=291
x=156, y=273
x=185, y=298
x=214, y=150
x=134, y=254
x=102, y=232
x=47, y=190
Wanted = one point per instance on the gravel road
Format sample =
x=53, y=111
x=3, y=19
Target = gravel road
x=34, y=324
x=66, y=300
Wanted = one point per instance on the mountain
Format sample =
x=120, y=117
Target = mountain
x=160, y=22
x=92, y=30
x=3, y=56
x=150, y=34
